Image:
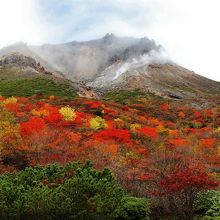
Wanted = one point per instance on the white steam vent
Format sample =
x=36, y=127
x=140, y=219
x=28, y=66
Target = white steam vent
x=154, y=56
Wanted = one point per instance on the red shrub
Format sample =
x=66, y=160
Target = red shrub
x=54, y=117
x=114, y=135
x=28, y=107
x=33, y=126
x=197, y=114
x=208, y=142
x=80, y=116
x=149, y=132
x=93, y=104
x=208, y=112
x=22, y=100
x=13, y=107
x=110, y=111
x=164, y=107
x=178, y=142
x=194, y=177
x=125, y=108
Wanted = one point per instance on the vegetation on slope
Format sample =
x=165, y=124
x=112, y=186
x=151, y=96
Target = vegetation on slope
x=165, y=151
x=208, y=204
x=130, y=96
x=31, y=86
x=73, y=191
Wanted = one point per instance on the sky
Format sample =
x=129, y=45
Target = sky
x=188, y=30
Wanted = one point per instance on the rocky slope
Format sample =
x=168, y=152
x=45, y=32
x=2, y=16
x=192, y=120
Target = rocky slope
x=112, y=63
x=84, y=60
x=23, y=75
x=166, y=79
x=26, y=63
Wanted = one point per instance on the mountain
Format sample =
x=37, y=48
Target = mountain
x=84, y=60
x=113, y=63
x=148, y=142
x=22, y=75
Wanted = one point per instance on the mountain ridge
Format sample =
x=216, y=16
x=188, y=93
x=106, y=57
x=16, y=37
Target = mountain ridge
x=111, y=63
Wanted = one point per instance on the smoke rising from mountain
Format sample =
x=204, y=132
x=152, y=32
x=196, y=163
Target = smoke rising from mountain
x=154, y=56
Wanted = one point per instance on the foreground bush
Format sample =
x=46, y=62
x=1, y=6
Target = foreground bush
x=208, y=204
x=73, y=191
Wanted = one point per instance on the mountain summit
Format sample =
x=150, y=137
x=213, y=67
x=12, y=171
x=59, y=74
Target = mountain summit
x=112, y=62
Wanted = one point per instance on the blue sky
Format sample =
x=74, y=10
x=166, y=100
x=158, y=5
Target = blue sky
x=87, y=19
x=189, y=29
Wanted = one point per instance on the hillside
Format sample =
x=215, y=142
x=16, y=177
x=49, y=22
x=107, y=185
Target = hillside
x=155, y=148
x=126, y=134
x=112, y=62
x=22, y=75
x=84, y=60
x=167, y=80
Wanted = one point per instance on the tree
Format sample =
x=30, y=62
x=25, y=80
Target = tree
x=177, y=179
x=74, y=191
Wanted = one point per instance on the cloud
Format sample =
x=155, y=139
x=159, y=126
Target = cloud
x=187, y=29
x=153, y=57
x=19, y=22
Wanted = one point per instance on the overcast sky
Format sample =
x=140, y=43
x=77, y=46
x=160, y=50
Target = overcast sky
x=189, y=30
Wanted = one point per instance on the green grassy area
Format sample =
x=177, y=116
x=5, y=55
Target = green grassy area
x=126, y=96
x=31, y=86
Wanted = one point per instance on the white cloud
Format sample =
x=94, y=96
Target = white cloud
x=18, y=22
x=187, y=29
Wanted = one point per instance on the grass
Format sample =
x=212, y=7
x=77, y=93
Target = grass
x=125, y=96
x=31, y=86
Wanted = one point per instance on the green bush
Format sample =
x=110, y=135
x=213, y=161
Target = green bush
x=31, y=86
x=210, y=218
x=130, y=96
x=208, y=204
x=73, y=191
x=133, y=208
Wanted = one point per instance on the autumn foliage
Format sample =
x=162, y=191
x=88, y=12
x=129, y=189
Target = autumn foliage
x=32, y=126
x=159, y=150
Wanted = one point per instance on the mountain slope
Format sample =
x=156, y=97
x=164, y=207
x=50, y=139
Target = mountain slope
x=167, y=79
x=113, y=63
x=22, y=76
x=84, y=60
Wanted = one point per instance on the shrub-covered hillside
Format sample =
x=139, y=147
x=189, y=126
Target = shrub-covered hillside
x=167, y=152
x=73, y=191
x=38, y=85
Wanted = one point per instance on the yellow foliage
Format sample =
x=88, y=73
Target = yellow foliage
x=9, y=131
x=135, y=126
x=132, y=155
x=161, y=147
x=97, y=123
x=161, y=128
x=11, y=100
x=68, y=113
x=9, y=137
x=6, y=116
x=217, y=130
x=143, y=100
x=218, y=150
